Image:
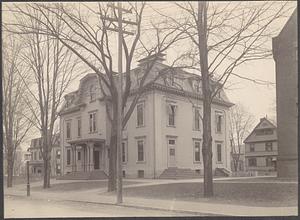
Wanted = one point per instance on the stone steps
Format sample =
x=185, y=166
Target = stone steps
x=179, y=173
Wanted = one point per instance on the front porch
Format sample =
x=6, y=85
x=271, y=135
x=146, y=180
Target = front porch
x=86, y=155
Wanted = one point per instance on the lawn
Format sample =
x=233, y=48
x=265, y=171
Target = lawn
x=252, y=194
x=77, y=186
x=17, y=180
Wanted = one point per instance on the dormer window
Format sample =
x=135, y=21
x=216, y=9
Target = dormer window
x=197, y=86
x=92, y=93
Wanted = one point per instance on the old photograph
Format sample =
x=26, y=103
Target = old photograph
x=149, y=109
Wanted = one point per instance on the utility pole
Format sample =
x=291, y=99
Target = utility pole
x=120, y=115
x=120, y=73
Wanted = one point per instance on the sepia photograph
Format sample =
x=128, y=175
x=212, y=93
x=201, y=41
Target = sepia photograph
x=149, y=109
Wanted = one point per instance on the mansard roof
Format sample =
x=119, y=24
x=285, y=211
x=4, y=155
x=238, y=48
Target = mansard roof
x=73, y=100
x=262, y=125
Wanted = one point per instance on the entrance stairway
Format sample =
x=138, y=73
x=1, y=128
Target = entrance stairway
x=82, y=175
x=222, y=172
x=179, y=173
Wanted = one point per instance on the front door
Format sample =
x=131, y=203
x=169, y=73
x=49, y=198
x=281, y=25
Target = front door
x=171, y=153
x=96, y=160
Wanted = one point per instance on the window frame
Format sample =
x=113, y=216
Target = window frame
x=93, y=122
x=250, y=164
x=68, y=160
x=252, y=147
x=125, y=152
x=219, y=144
x=169, y=107
x=79, y=127
x=144, y=155
x=92, y=93
x=195, y=109
x=68, y=129
x=194, y=150
x=219, y=126
x=142, y=104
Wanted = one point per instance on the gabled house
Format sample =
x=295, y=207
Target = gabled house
x=261, y=147
x=163, y=134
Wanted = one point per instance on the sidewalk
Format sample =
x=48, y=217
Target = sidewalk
x=94, y=196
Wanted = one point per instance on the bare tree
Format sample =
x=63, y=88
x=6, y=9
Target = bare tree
x=241, y=122
x=52, y=68
x=91, y=40
x=16, y=118
x=225, y=35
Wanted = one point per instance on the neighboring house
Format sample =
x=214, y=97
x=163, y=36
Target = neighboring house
x=285, y=53
x=37, y=163
x=261, y=147
x=164, y=131
x=238, y=156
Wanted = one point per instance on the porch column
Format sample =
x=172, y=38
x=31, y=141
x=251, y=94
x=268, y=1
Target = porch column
x=72, y=157
x=75, y=166
x=91, y=156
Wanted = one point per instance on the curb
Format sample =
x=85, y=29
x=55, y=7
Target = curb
x=123, y=205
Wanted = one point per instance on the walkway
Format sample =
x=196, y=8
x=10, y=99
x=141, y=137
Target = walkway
x=96, y=196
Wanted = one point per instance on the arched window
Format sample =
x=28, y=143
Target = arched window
x=92, y=93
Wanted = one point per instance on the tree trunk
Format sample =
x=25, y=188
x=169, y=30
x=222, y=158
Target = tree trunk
x=112, y=183
x=207, y=150
x=10, y=171
x=47, y=172
x=207, y=97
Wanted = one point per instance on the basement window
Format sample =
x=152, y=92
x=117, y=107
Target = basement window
x=141, y=173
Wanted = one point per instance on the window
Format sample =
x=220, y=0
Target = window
x=68, y=156
x=78, y=155
x=92, y=93
x=140, y=144
x=108, y=152
x=171, y=114
x=141, y=173
x=58, y=154
x=219, y=122
x=124, y=173
x=40, y=155
x=197, y=86
x=269, y=146
x=68, y=124
x=265, y=131
x=252, y=162
x=219, y=152
x=92, y=122
x=197, y=151
x=268, y=161
x=197, y=119
x=169, y=80
x=140, y=114
x=34, y=155
x=79, y=127
x=124, y=152
x=252, y=148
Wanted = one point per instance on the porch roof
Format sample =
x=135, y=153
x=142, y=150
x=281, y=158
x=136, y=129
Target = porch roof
x=86, y=140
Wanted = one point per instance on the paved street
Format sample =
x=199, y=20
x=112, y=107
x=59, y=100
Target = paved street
x=18, y=207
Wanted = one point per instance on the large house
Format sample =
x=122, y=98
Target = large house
x=36, y=162
x=285, y=53
x=261, y=148
x=164, y=132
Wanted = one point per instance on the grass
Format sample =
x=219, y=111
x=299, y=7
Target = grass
x=263, y=179
x=17, y=180
x=78, y=186
x=258, y=194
